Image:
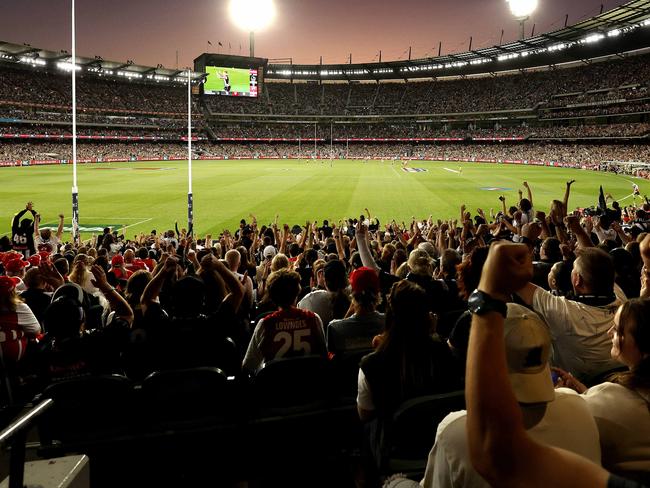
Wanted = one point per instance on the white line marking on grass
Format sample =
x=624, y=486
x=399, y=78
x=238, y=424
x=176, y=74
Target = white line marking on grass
x=138, y=223
x=625, y=198
x=115, y=218
x=452, y=170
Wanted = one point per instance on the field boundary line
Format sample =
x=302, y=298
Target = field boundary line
x=452, y=170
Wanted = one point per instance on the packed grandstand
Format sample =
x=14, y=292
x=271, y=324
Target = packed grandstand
x=171, y=353
x=571, y=112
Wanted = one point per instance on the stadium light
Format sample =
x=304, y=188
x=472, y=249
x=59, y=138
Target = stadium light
x=521, y=9
x=252, y=16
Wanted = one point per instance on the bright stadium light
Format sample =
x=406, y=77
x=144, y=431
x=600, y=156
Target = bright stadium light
x=521, y=9
x=252, y=16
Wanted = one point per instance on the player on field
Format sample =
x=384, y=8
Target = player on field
x=226, y=81
x=636, y=192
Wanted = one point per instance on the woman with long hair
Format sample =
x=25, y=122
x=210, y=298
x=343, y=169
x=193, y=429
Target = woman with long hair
x=409, y=361
x=621, y=406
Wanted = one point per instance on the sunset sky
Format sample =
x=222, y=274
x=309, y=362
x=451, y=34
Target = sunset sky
x=150, y=32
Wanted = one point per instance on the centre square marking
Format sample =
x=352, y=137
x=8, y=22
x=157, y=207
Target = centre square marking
x=495, y=188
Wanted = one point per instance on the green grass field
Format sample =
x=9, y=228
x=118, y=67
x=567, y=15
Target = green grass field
x=152, y=195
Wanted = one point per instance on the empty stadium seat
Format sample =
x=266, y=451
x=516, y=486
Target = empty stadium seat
x=412, y=432
x=87, y=412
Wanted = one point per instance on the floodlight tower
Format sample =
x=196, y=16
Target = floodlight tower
x=522, y=9
x=252, y=16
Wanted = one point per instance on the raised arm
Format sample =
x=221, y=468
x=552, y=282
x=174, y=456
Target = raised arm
x=361, y=233
x=567, y=192
x=336, y=233
x=503, y=204
x=283, y=239
x=236, y=294
x=530, y=193
x=499, y=446
x=573, y=224
x=37, y=221
x=152, y=290
x=118, y=304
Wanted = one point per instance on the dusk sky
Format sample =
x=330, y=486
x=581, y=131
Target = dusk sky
x=150, y=32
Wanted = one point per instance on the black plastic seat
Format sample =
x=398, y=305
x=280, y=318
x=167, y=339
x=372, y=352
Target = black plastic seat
x=410, y=435
x=88, y=412
x=292, y=384
x=345, y=367
x=188, y=400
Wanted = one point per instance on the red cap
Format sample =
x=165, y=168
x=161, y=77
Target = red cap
x=363, y=279
x=34, y=260
x=7, y=284
x=117, y=259
x=15, y=265
x=45, y=256
x=5, y=257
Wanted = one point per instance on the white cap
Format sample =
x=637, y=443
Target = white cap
x=528, y=349
x=269, y=252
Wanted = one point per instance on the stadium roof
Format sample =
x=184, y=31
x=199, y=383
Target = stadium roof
x=579, y=41
x=622, y=29
x=26, y=55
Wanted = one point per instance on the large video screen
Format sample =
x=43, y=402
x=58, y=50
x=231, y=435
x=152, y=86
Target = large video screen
x=235, y=82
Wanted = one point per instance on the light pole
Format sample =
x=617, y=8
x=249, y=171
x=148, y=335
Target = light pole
x=190, y=197
x=73, y=72
x=252, y=16
x=521, y=9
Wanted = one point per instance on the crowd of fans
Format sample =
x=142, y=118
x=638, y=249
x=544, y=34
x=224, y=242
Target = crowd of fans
x=99, y=131
x=618, y=86
x=42, y=88
x=405, y=294
x=578, y=155
x=175, y=130
x=531, y=90
x=421, y=131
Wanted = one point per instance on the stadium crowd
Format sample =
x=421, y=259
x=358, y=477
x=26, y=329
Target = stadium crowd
x=578, y=155
x=617, y=86
x=404, y=297
x=530, y=90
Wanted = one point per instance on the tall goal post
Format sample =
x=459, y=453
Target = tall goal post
x=75, y=188
x=190, y=198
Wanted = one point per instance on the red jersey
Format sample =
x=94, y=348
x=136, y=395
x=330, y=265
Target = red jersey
x=283, y=334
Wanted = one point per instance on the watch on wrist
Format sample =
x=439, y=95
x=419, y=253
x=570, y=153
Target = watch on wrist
x=480, y=303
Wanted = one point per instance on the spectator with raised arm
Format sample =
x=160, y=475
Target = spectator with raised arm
x=500, y=449
x=43, y=238
x=22, y=231
x=579, y=326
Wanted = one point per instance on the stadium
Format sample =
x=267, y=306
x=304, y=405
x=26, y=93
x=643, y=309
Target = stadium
x=202, y=197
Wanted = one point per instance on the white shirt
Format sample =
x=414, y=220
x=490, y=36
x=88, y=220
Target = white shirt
x=623, y=421
x=319, y=302
x=53, y=243
x=567, y=424
x=581, y=345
